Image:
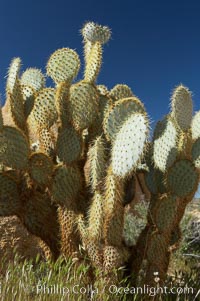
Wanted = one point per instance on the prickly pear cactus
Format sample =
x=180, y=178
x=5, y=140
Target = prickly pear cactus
x=173, y=179
x=72, y=150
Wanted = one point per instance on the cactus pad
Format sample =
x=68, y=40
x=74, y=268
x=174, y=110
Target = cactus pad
x=102, y=89
x=129, y=143
x=87, y=48
x=67, y=184
x=82, y=228
x=93, y=63
x=118, y=113
x=44, y=109
x=9, y=196
x=165, y=144
x=182, y=107
x=83, y=105
x=157, y=249
x=34, y=78
x=97, y=162
x=166, y=213
x=68, y=145
x=15, y=97
x=150, y=181
x=182, y=178
x=95, y=219
x=14, y=148
x=61, y=98
x=96, y=33
x=40, y=218
x=114, y=192
x=41, y=168
x=68, y=232
x=113, y=226
x=113, y=209
x=120, y=91
x=111, y=258
x=95, y=254
x=160, y=181
x=63, y=65
x=175, y=236
x=46, y=141
x=13, y=74
x=195, y=127
x=97, y=127
x=28, y=98
x=104, y=103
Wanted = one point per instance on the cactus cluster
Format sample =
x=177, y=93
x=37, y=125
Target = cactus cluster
x=172, y=178
x=72, y=150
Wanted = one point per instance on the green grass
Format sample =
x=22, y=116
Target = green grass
x=66, y=280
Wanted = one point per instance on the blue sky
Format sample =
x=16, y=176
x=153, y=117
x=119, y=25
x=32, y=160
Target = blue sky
x=155, y=44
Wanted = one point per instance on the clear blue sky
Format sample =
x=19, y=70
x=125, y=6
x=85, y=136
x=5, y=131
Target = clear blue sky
x=155, y=44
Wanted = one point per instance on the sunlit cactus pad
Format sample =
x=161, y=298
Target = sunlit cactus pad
x=33, y=78
x=165, y=144
x=44, y=109
x=118, y=113
x=63, y=65
x=129, y=144
x=182, y=107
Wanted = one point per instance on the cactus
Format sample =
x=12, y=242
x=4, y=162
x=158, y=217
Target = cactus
x=14, y=94
x=41, y=168
x=14, y=148
x=120, y=91
x=94, y=37
x=176, y=158
x=63, y=65
x=70, y=160
x=33, y=77
x=97, y=162
x=68, y=136
x=82, y=106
